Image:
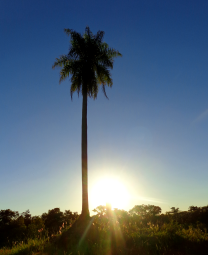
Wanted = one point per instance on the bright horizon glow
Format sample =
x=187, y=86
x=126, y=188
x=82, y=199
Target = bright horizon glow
x=109, y=191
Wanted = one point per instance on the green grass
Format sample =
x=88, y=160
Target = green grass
x=21, y=248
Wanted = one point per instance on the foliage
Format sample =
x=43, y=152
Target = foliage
x=114, y=231
x=145, y=210
x=16, y=228
x=87, y=63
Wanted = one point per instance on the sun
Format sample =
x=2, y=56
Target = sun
x=109, y=191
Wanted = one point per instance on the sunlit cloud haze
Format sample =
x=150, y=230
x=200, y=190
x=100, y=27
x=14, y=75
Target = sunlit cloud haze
x=150, y=136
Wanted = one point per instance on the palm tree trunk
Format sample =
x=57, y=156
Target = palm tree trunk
x=85, y=206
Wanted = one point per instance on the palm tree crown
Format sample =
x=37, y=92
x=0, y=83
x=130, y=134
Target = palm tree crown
x=87, y=63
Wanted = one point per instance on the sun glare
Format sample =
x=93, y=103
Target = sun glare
x=109, y=191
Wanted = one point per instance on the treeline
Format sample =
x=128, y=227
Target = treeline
x=15, y=227
x=151, y=213
x=144, y=215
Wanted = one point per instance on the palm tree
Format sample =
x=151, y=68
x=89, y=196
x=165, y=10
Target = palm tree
x=87, y=63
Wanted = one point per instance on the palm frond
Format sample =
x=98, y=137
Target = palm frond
x=60, y=61
x=68, y=31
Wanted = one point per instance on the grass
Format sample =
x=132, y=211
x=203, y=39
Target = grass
x=33, y=246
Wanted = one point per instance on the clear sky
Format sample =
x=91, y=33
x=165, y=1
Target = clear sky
x=152, y=133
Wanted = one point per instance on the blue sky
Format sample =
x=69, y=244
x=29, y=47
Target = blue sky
x=151, y=134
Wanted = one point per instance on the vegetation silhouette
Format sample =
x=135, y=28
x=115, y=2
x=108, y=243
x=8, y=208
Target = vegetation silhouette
x=87, y=63
x=141, y=230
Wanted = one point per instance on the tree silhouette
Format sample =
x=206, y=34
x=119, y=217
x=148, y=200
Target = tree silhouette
x=53, y=220
x=144, y=210
x=88, y=63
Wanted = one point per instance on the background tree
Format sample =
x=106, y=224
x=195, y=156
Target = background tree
x=146, y=210
x=27, y=217
x=174, y=210
x=7, y=216
x=70, y=217
x=34, y=228
x=88, y=63
x=193, y=208
x=12, y=227
x=53, y=220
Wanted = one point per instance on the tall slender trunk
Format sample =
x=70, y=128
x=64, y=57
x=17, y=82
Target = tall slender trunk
x=85, y=206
